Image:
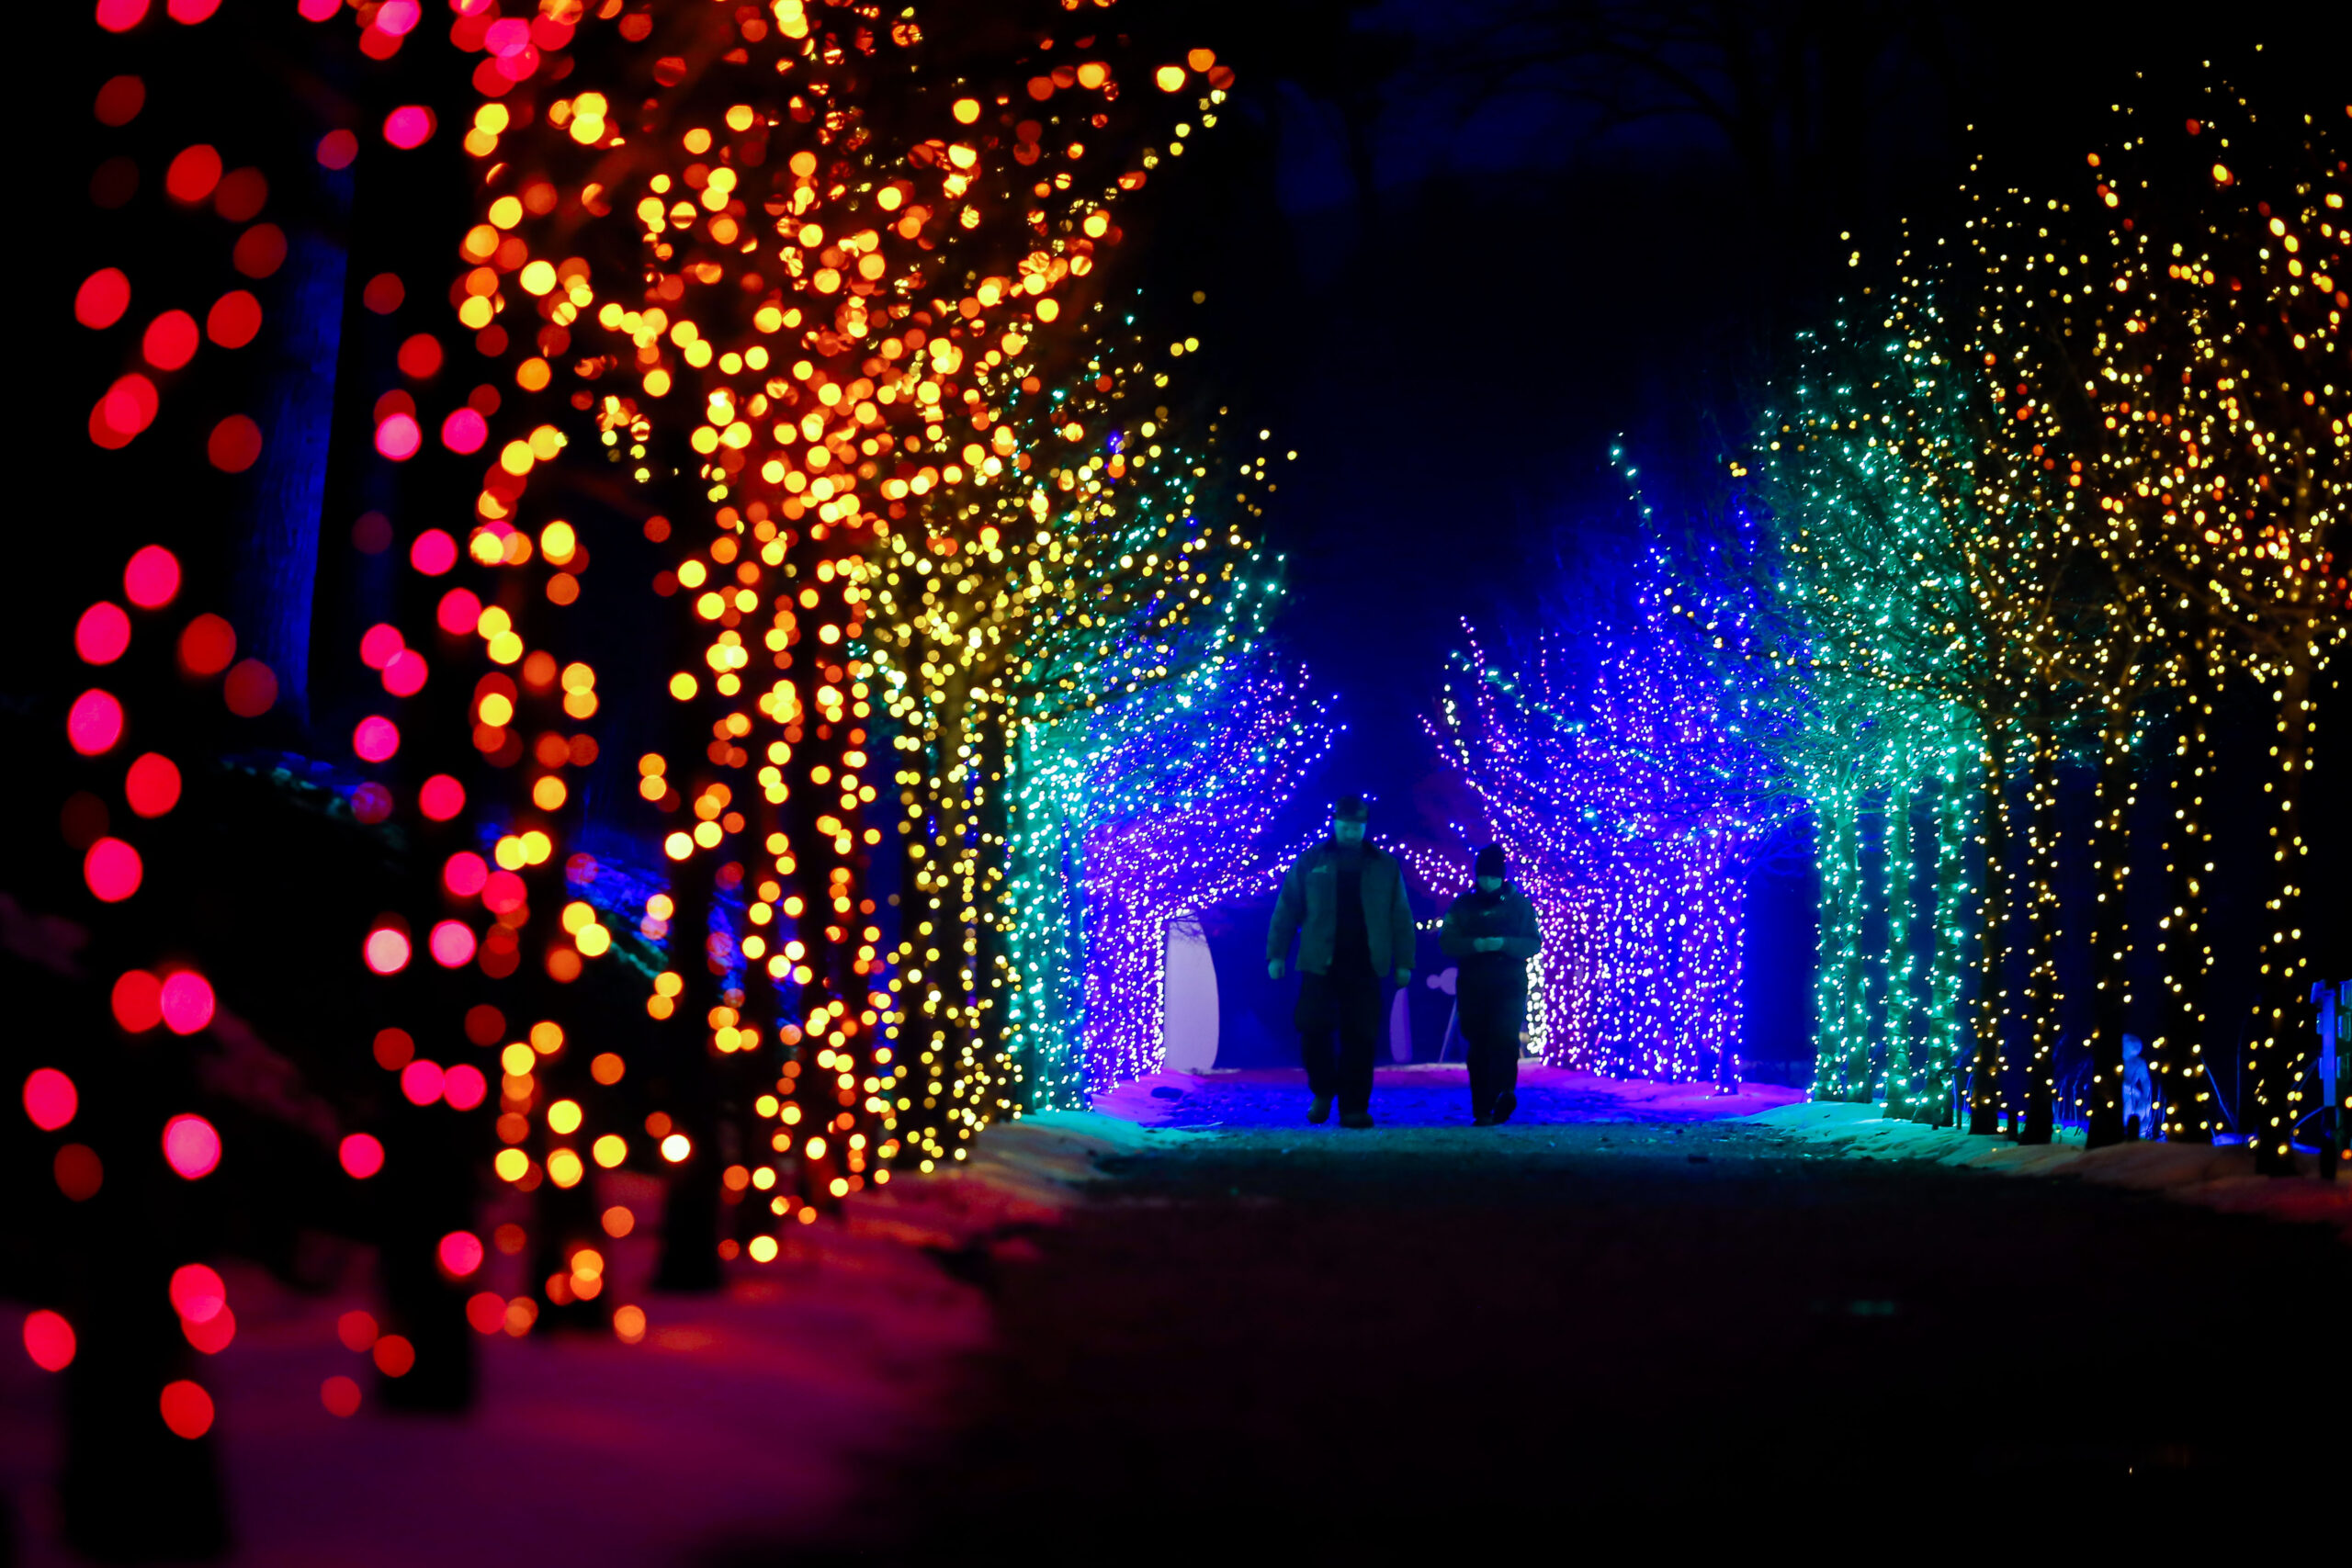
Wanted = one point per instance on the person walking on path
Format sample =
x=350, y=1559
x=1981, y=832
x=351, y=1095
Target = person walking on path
x=1344, y=900
x=1491, y=932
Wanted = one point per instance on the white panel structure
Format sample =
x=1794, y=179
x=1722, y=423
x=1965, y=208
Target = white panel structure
x=1188, y=1015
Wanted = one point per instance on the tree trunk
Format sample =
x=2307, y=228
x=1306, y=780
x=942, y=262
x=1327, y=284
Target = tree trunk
x=1984, y=1094
x=937, y=990
x=2044, y=998
x=2110, y=929
x=690, y=1204
x=1895, y=907
x=1947, y=953
x=1841, y=1064
x=2277, y=1038
x=1020, y=1085
x=2178, y=1053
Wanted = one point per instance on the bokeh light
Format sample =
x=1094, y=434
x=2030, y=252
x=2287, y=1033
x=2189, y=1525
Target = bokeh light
x=250, y=688
x=234, y=444
x=440, y=797
x=151, y=578
x=433, y=553
x=103, y=634
x=129, y=406
x=212, y=1335
x=112, y=869
x=170, y=340
x=196, y=1292
x=185, y=1001
x=193, y=173
x=371, y=802
x=152, y=785
x=103, y=298
x=119, y=100
x=122, y=15
x=78, y=1172
x=398, y=439
x=340, y=1396
x=386, y=950
x=191, y=1146
x=361, y=1155
x=463, y=1087
x=461, y=1253
x=378, y=644
x=234, y=320
x=95, y=722
x=186, y=1409
x=48, y=1340
x=452, y=943
x=374, y=738
x=208, y=645
x=356, y=1330
x=408, y=126
x=464, y=431
x=421, y=1081
x=49, y=1099
x=138, y=1001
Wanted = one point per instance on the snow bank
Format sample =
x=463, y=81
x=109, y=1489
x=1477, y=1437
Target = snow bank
x=2215, y=1175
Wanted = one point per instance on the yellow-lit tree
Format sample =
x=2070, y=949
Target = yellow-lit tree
x=820, y=261
x=2190, y=385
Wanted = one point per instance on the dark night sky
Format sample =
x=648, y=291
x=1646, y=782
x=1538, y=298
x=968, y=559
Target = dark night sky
x=1453, y=248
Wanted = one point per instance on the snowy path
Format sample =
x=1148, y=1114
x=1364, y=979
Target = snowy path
x=1189, y=1326
x=1425, y=1095
x=1280, y=1343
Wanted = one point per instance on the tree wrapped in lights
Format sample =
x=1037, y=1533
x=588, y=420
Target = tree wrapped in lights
x=2188, y=387
x=1136, y=587
x=1915, y=614
x=454, y=874
x=1136, y=684
x=1629, y=807
x=1129, y=816
x=2132, y=487
x=313, y=919
x=837, y=262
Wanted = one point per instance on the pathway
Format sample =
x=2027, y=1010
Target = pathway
x=1281, y=1342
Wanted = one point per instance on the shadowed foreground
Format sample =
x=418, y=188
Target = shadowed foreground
x=1444, y=1335
x=1261, y=1336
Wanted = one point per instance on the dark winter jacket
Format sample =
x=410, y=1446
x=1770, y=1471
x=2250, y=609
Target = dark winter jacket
x=1496, y=982
x=1308, y=909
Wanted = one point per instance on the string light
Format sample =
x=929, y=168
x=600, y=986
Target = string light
x=1629, y=807
x=1129, y=818
x=2100, y=488
x=850, y=336
x=2192, y=387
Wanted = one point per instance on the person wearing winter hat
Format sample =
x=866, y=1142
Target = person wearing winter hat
x=1343, y=902
x=1491, y=932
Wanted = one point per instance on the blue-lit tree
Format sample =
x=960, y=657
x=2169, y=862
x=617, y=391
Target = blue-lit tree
x=1608, y=764
x=1130, y=815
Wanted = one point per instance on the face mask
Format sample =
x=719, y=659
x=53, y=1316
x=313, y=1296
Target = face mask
x=1490, y=885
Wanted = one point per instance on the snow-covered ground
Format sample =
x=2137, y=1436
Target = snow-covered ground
x=1427, y=1095
x=2216, y=1176
x=755, y=1413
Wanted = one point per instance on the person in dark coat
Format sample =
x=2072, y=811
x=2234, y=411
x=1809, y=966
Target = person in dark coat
x=1491, y=932
x=1344, y=900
